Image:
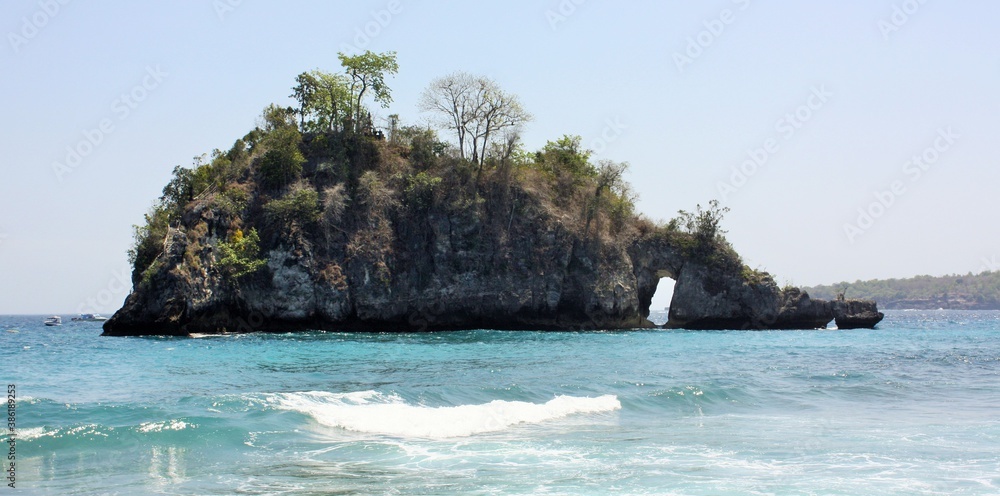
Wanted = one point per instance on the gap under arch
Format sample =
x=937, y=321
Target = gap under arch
x=661, y=300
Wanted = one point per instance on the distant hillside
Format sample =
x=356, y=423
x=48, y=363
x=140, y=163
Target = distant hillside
x=955, y=292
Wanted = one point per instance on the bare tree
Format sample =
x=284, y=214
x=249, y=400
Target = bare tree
x=477, y=109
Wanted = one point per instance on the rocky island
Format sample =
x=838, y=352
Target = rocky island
x=318, y=220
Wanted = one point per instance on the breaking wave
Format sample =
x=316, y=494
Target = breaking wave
x=372, y=412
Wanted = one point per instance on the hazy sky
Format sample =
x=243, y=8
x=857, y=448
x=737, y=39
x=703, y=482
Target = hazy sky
x=828, y=107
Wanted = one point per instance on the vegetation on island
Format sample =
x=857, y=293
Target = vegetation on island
x=957, y=292
x=323, y=173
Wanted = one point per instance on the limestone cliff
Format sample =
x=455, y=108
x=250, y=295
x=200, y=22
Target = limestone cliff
x=378, y=236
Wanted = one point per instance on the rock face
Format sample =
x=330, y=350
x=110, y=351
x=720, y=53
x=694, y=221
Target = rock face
x=856, y=314
x=446, y=272
x=539, y=279
x=722, y=298
x=408, y=251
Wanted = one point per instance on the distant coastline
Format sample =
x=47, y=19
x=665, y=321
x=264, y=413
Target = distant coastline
x=951, y=292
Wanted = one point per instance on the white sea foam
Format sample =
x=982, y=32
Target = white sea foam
x=375, y=413
x=32, y=433
x=198, y=335
x=168, y=425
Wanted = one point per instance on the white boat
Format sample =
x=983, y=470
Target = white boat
x=90, y=317
x=54, y=320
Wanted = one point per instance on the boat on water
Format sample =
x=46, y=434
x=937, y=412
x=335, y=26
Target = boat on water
x=90, y=317
x=54, y=320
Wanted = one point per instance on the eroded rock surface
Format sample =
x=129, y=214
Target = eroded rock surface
x=444, y=248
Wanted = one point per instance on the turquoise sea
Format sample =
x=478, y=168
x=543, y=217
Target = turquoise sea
x=912, y=407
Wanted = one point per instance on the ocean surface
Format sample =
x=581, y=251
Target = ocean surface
x=912, y=407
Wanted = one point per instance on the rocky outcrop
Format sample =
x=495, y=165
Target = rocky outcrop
x=409, y=251
x=856, y=314
x=720, y=297
x=445, y=272
x=541, y=277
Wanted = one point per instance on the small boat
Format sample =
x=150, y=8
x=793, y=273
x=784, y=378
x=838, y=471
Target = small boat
x=89, y=317
x=54, y=320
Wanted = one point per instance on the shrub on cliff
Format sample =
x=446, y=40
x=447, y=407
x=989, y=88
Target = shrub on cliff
x=700, y=237
x=419, y=192
x=148, y=241
x=300, y=206
x=420, y=146
x=239, y=255
x=282, y=161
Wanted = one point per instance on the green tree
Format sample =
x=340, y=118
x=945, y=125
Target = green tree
x=324, y=100
x=179, y=190
x=282, y=162
x=367, y=72
x=148, y=239
x=423, y=143
x=566, y=155
x=274, y=117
